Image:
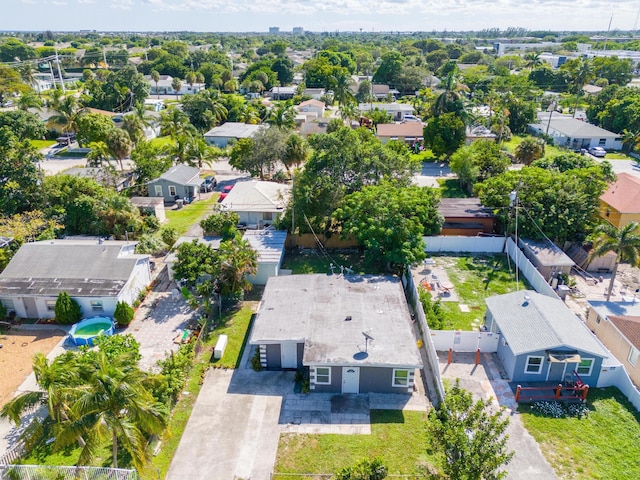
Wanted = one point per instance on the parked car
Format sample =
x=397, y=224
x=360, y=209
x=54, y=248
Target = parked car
x=209, y=184
x=598, y=152
x=225, y=191
x=411, y=118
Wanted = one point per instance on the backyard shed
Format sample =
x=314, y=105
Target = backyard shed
x=353, y=332
x=466, y=216
x=269, y=244
x=150, y=206
x=542, y=340
x=549, y=259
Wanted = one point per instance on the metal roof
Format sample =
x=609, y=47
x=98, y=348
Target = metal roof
x=332, y=313
x=268, y=243
x=531, y=322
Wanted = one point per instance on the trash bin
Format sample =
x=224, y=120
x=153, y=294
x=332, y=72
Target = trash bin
x=179, y=203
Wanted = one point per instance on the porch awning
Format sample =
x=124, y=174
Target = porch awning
x=564, y=358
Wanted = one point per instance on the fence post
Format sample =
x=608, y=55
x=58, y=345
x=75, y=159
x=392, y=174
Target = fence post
x=518, y=392
x=450, y=356
x=584, y=393
x=558, y=391
x=477, y=356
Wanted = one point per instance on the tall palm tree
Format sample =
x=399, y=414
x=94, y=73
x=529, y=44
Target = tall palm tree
x=341, y=83
x=532, y=60
x=134, y=127
x=113, y=404
x=28, y=74
x=624, y=241
x=176, y=84
x=296, y=153
x=173, y=121
x=190, y=78
x=29, y=100
x=155, y=76
x=199, y=153
x=98, y=154
x=450, y=100
x=630, y=140
x=348, y=112
x=237, y=260
x=119, y=144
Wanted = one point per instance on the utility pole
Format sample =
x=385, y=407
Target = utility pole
x=59, y=71
x=293, y=202
x=104, y=58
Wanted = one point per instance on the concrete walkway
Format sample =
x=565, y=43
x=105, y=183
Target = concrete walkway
x=487, y=381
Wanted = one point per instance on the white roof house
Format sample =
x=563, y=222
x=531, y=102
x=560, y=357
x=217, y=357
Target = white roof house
x=577, y=134
x=258, y=203
x=398, y=110
x=269, y=244
x=222, y=134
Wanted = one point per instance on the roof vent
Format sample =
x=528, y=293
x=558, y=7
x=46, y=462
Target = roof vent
x=526, y=299
x=348, y=318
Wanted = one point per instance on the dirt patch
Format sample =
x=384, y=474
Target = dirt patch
x=628, y=277
x=16, y=355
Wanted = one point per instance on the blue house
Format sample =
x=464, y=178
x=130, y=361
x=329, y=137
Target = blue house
x=180, y=181
x=541, y=340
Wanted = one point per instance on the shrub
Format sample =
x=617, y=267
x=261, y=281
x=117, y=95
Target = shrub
x=174, y=370
x=169, y=236
x=149, y=245
x=223, y=224
x=432, y=310
x=115, y=345
x=365, y=469
x=255, y=361
x=123, y=314
x=67, y=309
x=559, y=410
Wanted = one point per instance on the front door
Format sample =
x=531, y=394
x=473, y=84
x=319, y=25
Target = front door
x=30, y=307
x=556, y=372
x=350, y=380
x=289, y=354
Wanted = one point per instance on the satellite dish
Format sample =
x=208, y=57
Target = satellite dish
x=367, y=336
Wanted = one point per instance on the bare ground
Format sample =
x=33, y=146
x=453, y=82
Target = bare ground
x=16, y=354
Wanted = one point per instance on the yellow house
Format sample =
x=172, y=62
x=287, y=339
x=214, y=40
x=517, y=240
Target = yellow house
x=620, y=204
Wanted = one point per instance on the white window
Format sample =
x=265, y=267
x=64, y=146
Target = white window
x=400, y=377
x=51, y=305
x=602, y=142
x=585, y=366
x=323, y=375
x=634, y=354
x=267, y=216
x=158, y=189
x=96, y=305
x=172, y=190
x=534, y=364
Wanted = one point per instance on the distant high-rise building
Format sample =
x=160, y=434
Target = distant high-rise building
x=298, y=30
x=274, y=29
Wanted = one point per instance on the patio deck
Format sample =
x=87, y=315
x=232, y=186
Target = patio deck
x=530, y=392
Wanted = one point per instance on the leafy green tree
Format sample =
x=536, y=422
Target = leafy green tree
x=444, y=134
x=283, y=67
x=149, y=162
x=20, y=177
x=193, y=260
x=123, y=313
x=10, y=48
x=282, y=116
x=67, y=309
x=205, y=109
x=236, y=260
x=260, y=155
x=471, y=437
x=624, y=241
x=119, y=144
x=24, y=125
x=169, y=236
x=221, y=223
x=10, y=83
x=390, y=68
x=477, y=162
x=529, y=150
x=615, y=108
x=365, y=469
x=616, y=70
x=116, y=345
x=436, y=317
x=119, y=92
x=93, y=127
x=390, y=222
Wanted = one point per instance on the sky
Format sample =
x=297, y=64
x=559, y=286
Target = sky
x=317, y=15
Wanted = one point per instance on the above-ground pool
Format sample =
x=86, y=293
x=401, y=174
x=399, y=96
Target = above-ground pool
x=83, y=332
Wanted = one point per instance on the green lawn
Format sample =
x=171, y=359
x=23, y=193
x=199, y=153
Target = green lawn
x=39, y=144
x=235, y=327
x=476, y=278
x=190, y=214
x=550, y=150
x=425, y=156
x=603, y=445
x=619, y=156
x=398, y=437
x=316, y=262
x=161, y=141
x=450, y=188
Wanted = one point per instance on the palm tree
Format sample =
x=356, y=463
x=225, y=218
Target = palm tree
x=630, y=140
x=69, y=110
x=341, y=83
x=451, y=98
x=296, y=152
x=529, y=150
x=155, y=76
x=248, y=114
x=29, y=100
x=173, y=121
x=237, y=260
x=532, y=60
x=349, y=112
x=199, y=153
x=624, y=241
x=190, y=78
x=176, y=84
x=119, y=144
x=28, y=74
x=283, y=116
x=98, y=154
x=115, y=404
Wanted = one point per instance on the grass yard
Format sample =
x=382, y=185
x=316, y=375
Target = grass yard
x=316, y=262
x=39, y=144
x=235, y=327
x=161, y=141
x=190, y=214
x=398, y=437
x=603, y=445
x=550, y=150
x=450, y=188
x=619, y=156
x=476, y=278
x=424, y=156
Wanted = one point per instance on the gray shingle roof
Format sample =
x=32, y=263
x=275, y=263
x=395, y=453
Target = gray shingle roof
x=44, y=268
x=541, y=323
x=182, y=175
x=313, y=309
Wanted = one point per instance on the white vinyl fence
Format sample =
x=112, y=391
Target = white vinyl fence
x=49, y=472
x=464, y=244
x=464, y=341
x=618, y=377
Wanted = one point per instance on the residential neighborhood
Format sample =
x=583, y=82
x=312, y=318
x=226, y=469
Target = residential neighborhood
x=319, y=255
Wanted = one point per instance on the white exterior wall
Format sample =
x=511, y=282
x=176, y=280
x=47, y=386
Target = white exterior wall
x=255, y=218
x=464, y=341
x=464, y=244
x=265, y=271
x=139, y=279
